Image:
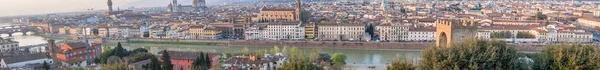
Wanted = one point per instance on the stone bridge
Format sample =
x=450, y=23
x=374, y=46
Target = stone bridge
x=10, y=29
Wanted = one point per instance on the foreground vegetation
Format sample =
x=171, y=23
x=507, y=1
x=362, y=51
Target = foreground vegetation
x=496, y=55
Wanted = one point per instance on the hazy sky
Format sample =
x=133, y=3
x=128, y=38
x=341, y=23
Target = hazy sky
x=26, y=7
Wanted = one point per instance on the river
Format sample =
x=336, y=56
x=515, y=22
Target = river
x=25, y=40
x=353, y=56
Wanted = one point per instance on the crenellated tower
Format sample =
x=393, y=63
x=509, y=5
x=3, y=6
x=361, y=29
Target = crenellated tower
x=451, y=31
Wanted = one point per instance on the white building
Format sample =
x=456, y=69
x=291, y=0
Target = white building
x=335, y=31
x=284, y=31
x=256, y=32
x=421, y=34
x=392, y=32
x=8, y=45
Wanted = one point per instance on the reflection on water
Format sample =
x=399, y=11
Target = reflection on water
x=354, y=56
x=25, y=40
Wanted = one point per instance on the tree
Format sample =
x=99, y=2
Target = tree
x=568, y=57
x=120, y=51
x=138, y=50
x=46, y=66
x=142, y=56
x=166, y=64
x=120, y=65
x=401, y=64
x=275, y=50
x=339, y=59
x=154, y=64
x=299, y=64
x=95, y=31
x=473, y=54
x=525, y=35
x=326, y=58
x=104, y=56
x=314, y=55
x=202, y=62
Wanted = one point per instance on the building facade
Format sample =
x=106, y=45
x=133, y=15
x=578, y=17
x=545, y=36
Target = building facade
x=73, y=52
x=285, y=31
x=346, y=32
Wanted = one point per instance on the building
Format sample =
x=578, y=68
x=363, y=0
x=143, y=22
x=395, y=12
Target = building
x=337, y=31
x=255, y=32
x=589, y=21
x=251, y=62
x=24, y=61
x=272, y=15
x=421, y=34
x=393, y=32
x=182, y=59
x=8, y=45
x=202, y=32
x=74, y=52
x=515, y=22
x=310, y=30
x=285, y=31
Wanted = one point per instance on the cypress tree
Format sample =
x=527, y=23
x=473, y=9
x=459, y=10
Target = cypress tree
x=166, y=65
x=207, y=60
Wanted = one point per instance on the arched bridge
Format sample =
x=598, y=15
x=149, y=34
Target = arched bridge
x=10, y=29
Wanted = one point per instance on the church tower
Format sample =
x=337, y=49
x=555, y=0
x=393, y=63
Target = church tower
x=110, y=6
x=176, y=9
x=298, y=9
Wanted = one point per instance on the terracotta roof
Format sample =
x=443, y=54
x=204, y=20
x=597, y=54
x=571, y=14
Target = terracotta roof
x=76, y=45
x=591, y=19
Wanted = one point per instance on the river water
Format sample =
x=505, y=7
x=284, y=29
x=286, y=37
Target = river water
x=25, y=40
x=353, y=56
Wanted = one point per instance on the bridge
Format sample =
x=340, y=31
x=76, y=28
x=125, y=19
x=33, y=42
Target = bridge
x=13, y=28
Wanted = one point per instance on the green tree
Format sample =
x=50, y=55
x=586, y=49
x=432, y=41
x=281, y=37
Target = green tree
x=202, y=62
x=104, y=56
x=339, y=59
x=299, y=64
x=120, y=65
x=401, y=64
x=568, y=57
x=46, y=66
x=275, y=50
x=314, y=55
x=473, y=54
x=138, y=50
x=95, y=31
x=120, y=51
x=142, y=56
x=326, y=58
x=154, y=64
x=166, y=64
x=525, y=35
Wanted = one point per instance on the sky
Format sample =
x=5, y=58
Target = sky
x=30, y=7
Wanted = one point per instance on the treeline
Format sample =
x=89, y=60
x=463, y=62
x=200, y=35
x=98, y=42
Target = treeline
x=496, y=55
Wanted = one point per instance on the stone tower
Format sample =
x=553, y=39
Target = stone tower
x=451, y=31
x=298, y=9
x=109, y=6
